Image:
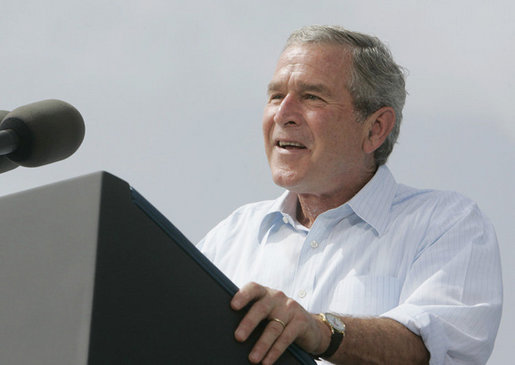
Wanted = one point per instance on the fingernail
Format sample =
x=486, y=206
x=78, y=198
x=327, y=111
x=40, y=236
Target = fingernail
x=238, y=335
x=253, y=357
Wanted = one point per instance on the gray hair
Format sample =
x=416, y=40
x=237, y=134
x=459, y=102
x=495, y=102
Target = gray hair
x=375, y=79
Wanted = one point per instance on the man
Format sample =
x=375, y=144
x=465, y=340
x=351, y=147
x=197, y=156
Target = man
x=351, y=266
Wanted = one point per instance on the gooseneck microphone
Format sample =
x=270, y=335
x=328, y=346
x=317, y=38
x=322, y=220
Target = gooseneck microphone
x=39, y=133
x=5, y=163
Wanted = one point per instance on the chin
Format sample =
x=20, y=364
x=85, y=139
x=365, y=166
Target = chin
x=289, y=177
x=281, y=180
x=289, y=182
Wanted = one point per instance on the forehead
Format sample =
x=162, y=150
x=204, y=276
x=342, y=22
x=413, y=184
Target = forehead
x=314, y=63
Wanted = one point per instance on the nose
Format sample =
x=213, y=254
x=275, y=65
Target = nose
x=288, y=112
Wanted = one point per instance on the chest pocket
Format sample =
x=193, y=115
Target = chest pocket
x=365, y=295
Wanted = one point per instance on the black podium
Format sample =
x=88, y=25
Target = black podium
x=91, y=273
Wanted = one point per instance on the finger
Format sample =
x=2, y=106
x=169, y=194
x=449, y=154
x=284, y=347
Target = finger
x=247, y=294
x=259, y=311
x=285, y=339
x=270, y=335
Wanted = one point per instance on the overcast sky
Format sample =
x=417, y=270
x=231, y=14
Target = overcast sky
x=172, y=95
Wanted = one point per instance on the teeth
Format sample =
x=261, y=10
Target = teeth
x=290, y=144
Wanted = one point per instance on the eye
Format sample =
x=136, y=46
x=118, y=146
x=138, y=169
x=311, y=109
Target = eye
x=275, y=96
x=312, y=97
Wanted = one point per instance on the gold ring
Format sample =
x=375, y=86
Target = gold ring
x=280, y=322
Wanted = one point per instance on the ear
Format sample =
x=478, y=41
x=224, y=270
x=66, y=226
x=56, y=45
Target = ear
x=378, y=126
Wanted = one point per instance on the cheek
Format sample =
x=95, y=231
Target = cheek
x=335, y=143
x=268, y=125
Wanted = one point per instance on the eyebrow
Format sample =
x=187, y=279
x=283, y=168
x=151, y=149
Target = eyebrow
x=302, y=86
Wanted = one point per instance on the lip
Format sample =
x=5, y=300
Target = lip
x=290, y=147
x=288, y=143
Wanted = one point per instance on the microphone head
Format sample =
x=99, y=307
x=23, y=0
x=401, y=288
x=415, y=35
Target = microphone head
x=48, y=130
x=5, y=163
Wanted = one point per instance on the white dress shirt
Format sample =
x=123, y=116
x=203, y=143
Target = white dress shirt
x=427, y=259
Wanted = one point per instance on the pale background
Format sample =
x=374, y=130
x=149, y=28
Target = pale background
x=172, y=96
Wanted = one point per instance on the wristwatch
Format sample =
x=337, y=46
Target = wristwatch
x=337, y=328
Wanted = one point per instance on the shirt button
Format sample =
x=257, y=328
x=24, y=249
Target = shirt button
x=285, y=219
x=302, y=293
x=314, y=244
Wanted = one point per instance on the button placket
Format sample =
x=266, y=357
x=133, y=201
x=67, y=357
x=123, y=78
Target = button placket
x=305, y=277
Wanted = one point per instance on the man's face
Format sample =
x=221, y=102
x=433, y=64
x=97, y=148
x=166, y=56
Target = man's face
x=312, y=139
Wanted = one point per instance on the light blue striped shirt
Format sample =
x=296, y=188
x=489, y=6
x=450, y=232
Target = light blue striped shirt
x=428, y=259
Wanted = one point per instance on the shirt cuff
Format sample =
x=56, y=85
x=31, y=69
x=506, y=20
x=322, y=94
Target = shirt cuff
x=422, y=324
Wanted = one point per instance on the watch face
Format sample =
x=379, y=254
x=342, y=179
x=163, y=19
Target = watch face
x=335, y=322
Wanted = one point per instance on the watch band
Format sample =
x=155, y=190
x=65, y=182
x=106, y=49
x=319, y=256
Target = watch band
x=336, y=337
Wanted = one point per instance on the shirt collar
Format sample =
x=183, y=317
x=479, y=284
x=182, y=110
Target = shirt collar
x=372, y=204
x=284, y=207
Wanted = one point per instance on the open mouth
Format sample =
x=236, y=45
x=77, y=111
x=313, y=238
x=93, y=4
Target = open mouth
x=290, y=145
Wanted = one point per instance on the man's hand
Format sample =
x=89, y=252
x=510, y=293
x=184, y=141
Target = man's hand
x=288, y=323
x=367, y=340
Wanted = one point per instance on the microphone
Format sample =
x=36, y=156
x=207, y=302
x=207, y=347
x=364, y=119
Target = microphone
x=40, y=133
x=5, y=163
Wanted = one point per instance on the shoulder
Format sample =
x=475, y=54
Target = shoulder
x=252, y=211
x=436, y=215
x=240, y=221
x=430, y=202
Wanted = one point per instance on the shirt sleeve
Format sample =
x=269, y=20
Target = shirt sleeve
x=452, y=296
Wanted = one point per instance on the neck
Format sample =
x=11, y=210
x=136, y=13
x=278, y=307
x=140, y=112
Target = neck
x=310, y=206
